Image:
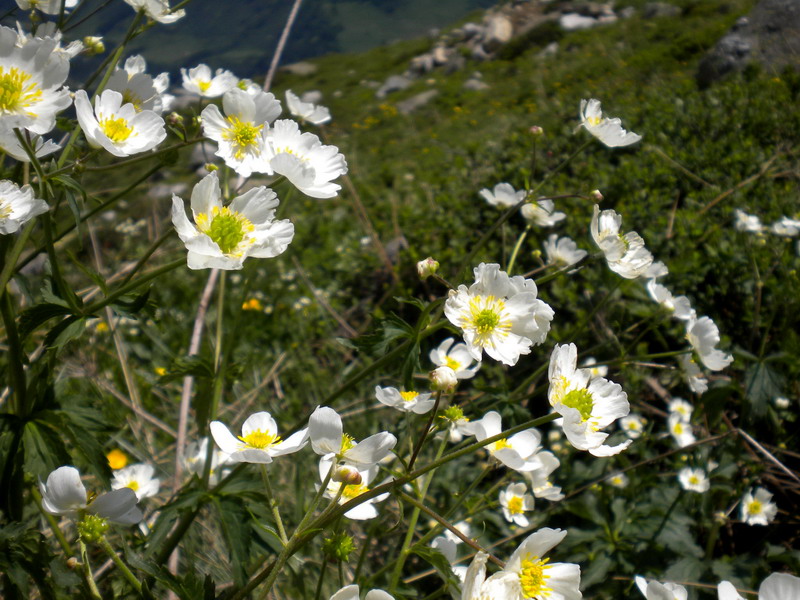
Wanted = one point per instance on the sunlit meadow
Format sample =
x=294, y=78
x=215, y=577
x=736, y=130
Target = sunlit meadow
x=536, y=339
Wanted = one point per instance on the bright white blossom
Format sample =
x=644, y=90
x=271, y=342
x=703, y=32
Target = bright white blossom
x=328, y=439
x=681, y=407
x=779, y=586
x=786, y=227
x=350, y=592
x=259, y=442
x=680, y=430
x=49, y=30
x=455, y=356
x=656, y=270
x=10, y=144
x=679, y=306
x=655, y=590
x=199, y=80
x=307, y=112
x=632, y=425
x=692, y=374
x=409, y=401
x=18, y=206
x=157, y=10
x=118, y=127
x=539, y=479
x=499, y=315
x=703, y=335
x=727, y=591
x=515, y=502
x=140, y=478
x=31, y=79
x=757, y=508
x=195, y=460
x=625, y=254
x=618, y=480
x=48, y=7
x=588, y=404
x=542, y=213
x=503, y=195
x=519, y=451
x=306, y=162
x=137, y=87
x=64, y=494
x=222, y=237
x=562, y=252
x=693, y=480
x=747, y=223
x=608, y=131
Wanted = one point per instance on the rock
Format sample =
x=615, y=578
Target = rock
x=414, y=102
x=471, y=30
x=393, y=84
x=370, y=83
x=475, y=85
x=478, y=53
x=627, y=12
x=441, y=54
x=300, y=68
x=654, y=10
x=455, y=62
x=422, y=64
x=499, y=31
x=550, y=50
x=576, y=22
x=730, y=54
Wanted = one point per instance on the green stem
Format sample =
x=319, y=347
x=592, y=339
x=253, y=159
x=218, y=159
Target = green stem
x=666, y=516
x=146, y=256
x=129, y=287
x=137, y=585
x=144, y=157
x=273, y=505
x=15, y=356
x=425, y=431
x=517, y=246
x=10, y=259
x=88, y=578
x=62, y=289
x=323, y=568
x=52, y=522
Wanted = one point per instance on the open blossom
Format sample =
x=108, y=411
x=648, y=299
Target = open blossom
x=31, y=78
x=10, y=144
x=499, y=315
x=747, y=223
x=692, y=374
x=137, y=87
x=618, y=480
x=703, y=335
x=48, y=7
x=608, y=131
x=625, y=254
x=588, y=404
x=199, y=80
x=195, y=460
x=306, y=111
x=539, y=479
x=18, y=206
x=542, y=213
x=259, y=442
x=693, y=480
x=680, y=430
x=527, y=574
x=655, y=590
x=241, y=133
x=49, y=30
x=519, y=451
x=222, y=237
x=758, y=507
x=679, y=306
x=455, y=356
x=681, y=407
x=140, y=478
x=515, y=502
x=562, y=252
x=349, y=482
x=157, y=10
x=310, y=165
x=409, y=401
x=503, y=195
x=64, y=494
x=632, y=425
x=328, y=439
x=118, y=127
x=786, y=227
x=350, y=592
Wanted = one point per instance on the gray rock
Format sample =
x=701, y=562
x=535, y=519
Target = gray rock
x=499, y=31
x=627, y=12
x=411, y=104
x=441, y=55
x=455, y=62
x=654, y=10
x=300, y=68
x=475, y=85
x=393, y=84
x=576, y=22
x=550, y=50
x=472, y=30
x=422, y=64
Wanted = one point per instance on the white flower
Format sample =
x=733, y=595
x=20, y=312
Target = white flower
x=307, y=111
x=48, y=7
x=118, y=127
x=539, y=478
x=527, y=574
x=782, y=402
x=682, y=408
x=200, y=81
x=304, y=160
x=459, y=424
x=625, y=254
x=350, y=482
x=49, y=30
x=562, y=252
x=503, y=195
x=195, y=460
x=786, y=227
x=727, y=591
x=594, y=371
x=608, y=131
x=618, y=480
x=518, y=452
x=328, y=438
x=350, y=592
x=449, y=549
x=515, y=503
x=137, y=87
x=18, y=206
x=692, y=374
x=64, y=494
x=655, y=590
x=223, y=237
x=703, y=335
x=680, y=430
x=541, y=213
x=31, y=80
x=139, y=478
x=455, y=356
x=463, y=527
x=656, y=270
x=259, y=442
x=587, y=404
x=693, y=480
x=410, y=401
x=158, y=10
x=241, y=133
x=779, y=586
x=748, y=223
x=9, y=143
x=632, y=425
x=679, y=306
x=758, y=508
x=499, y=314
x=443, y=379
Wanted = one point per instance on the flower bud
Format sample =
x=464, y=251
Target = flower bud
x=427, y=267
x=339, y=547
x=210, y=167
x=72, y=562
x=537, y=131
x=92, y=528
x=94, y=45
x=596, y=195
x=443, y=379
x=175, y=119
x=347, y=476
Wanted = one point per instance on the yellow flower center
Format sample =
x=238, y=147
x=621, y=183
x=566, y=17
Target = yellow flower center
x=226, y=227
x=242, y=85
x=677, y=429
x=499, y=445
x=580, y=400
x=134, y=485
x=128, y=97
x=408, y=396
x=116, y=130
x=347, y=442
x=252, y=304
x=593, y=121
x=754, y=507
x=486, y=319
x=532, y=576
x=5, y=209
x=242, y=135
x=693, y=479
x=452, y=363
x=203, y=86
x=515, y=505
x=356, y=489
x=633, y=425
x=16, y=91
x=260, y=439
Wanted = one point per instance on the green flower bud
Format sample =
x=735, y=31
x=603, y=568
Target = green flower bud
x=338, y=547
x=92, y=528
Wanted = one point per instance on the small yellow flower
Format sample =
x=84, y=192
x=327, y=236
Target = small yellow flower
x=101, y=327
x=116, y=459
x=161, y=371
x=252, y=304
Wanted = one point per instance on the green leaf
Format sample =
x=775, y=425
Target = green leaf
x=131, y=305
x=438, y=561
x=197, y=366
x=98, y=279
x=44, y=449
x=67, y=330
x=31, y=318
x=596, y=570
x=762, y=384
x=237, y=531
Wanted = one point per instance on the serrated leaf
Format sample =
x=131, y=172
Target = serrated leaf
x=236, y=530
x=67, y=330
x=762, y=384
x=44, y=449
x=438, y=561
x=131, y=305
x=31, y=318
x=595, y=570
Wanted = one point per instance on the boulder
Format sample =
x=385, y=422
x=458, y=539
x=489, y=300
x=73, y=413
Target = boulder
x=411, y=104
x=475, y=85
x=393, y=83
x=576, y=22
x=499, y=31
